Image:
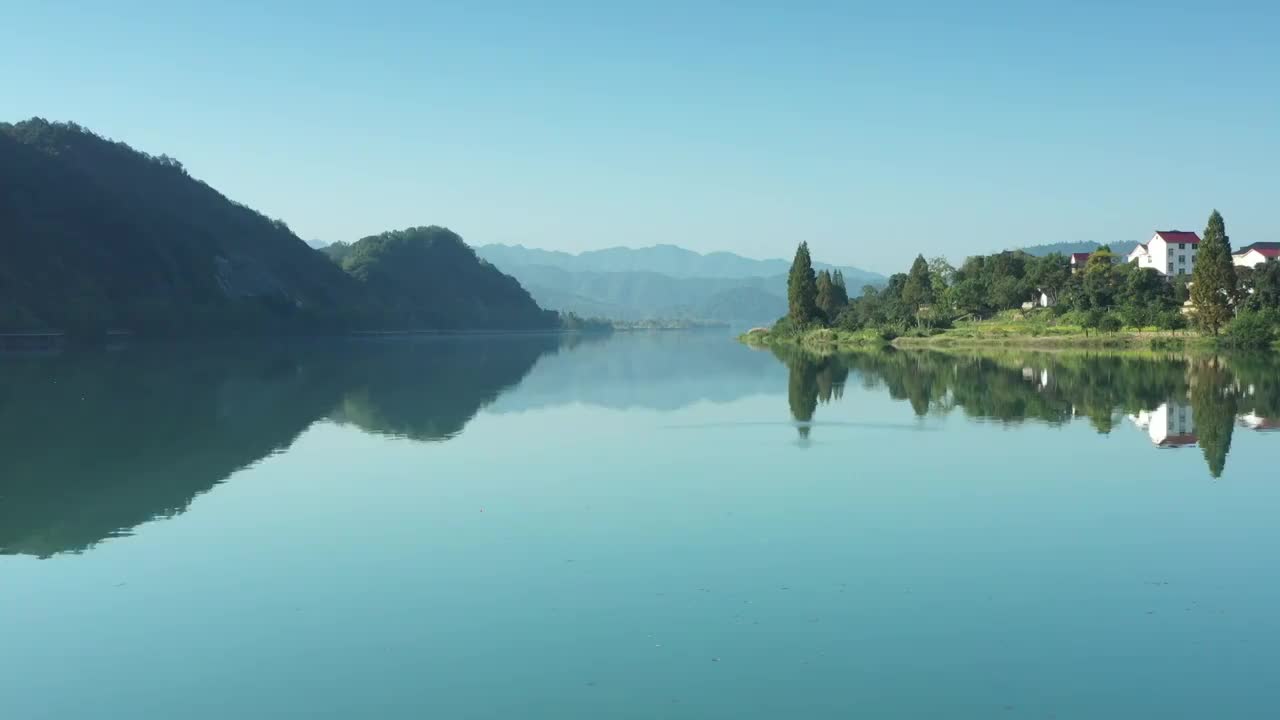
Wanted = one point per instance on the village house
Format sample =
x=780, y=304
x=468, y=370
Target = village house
x=1168, y=252
x=1078, y=261
x=1256, y=254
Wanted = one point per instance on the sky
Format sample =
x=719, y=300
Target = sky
x=874, y=131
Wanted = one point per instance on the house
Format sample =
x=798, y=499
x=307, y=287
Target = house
x=1168, y=252
x=1256, y=254
x=1169, y=426
x=1078, y=261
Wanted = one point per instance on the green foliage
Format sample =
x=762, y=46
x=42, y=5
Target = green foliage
x=427, y=277
x=1260, y=286
x=1251, y=330
x=1214, y=279
x=1171, y=320
x=918, y=288
x=840, y=292
x=95, y=235
x=802, y=289
x=1110, y=323
x=826, y=298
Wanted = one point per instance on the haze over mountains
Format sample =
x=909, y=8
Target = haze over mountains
x=1067, y=248
x=659, y=282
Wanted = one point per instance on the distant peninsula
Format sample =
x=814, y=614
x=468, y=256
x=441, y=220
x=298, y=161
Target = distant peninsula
x=1178, y=290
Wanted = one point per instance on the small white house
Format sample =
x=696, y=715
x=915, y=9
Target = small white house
x=1256, y=254
x=1168, y=252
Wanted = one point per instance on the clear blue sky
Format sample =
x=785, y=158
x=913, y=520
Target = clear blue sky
x=874, y=131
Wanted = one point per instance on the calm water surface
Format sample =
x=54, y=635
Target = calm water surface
x=647, y=526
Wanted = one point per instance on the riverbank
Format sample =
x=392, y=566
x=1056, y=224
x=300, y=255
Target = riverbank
x=987, y=334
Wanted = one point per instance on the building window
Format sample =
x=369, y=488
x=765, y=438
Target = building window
x=1182, y=259
x=1182, y=246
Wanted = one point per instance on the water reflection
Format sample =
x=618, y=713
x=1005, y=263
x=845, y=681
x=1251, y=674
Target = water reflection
x=98, y=444
x=1178, y=401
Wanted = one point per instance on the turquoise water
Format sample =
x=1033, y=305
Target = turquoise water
x=647, y=526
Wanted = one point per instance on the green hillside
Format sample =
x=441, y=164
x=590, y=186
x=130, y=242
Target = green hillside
x=95, y=235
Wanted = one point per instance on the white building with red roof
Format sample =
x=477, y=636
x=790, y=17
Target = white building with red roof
x=1168, y=252
x=1256, y=254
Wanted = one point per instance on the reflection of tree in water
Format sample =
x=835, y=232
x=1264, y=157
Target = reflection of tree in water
x=1214, y=405
x=1054, y=389
x=98, y=444
x=811, y=380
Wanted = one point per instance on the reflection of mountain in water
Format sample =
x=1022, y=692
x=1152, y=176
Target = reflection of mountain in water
x=98, y=444
x=1178, y=401
x=431, y=390
x=653, y=370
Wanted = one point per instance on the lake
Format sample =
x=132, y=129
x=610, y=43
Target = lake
x=665, y=525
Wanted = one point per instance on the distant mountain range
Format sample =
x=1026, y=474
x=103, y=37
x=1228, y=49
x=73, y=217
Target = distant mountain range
x=1121, y=248
x=659, y=282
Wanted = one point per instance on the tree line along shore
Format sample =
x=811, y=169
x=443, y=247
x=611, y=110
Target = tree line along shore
x=1013, y=298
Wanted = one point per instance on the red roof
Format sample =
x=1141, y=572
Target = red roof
x=1178, y=236
x=1265, y=249
x=1179, y=440
x=1080, y=257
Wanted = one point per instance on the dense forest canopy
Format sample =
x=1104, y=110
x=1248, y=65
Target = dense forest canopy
x=428, y=277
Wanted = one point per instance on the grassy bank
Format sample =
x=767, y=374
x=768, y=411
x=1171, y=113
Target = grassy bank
x=999, y=332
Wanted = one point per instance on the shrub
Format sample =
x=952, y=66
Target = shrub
x=1172, y=320
x=1109, y=323
x=1250, y=330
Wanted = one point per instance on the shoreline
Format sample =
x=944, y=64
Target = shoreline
x=826, y=340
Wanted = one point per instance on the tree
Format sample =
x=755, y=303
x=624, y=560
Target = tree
x=1092, y=320
x=1050, y=275
x=1265, y=286
x=840, y=290
x=1171, y=320
x=968, y=297
x=826, y=296
x=918, y=289
x=942, y=274
x=1109, y=323
x=1213, y=282
x=1102, y=278
x=802, y=289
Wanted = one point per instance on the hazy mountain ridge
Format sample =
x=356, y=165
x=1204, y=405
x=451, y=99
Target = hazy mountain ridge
x=1067, y=248
x=662, y=281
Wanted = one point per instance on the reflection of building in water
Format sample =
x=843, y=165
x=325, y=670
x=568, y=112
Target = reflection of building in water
x=1254, y=421
x=1170, y=425
x=1039, y=378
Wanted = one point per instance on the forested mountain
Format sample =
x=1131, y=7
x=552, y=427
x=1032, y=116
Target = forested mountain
x=95, y=235
x=663, y=282
x=428, y=277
